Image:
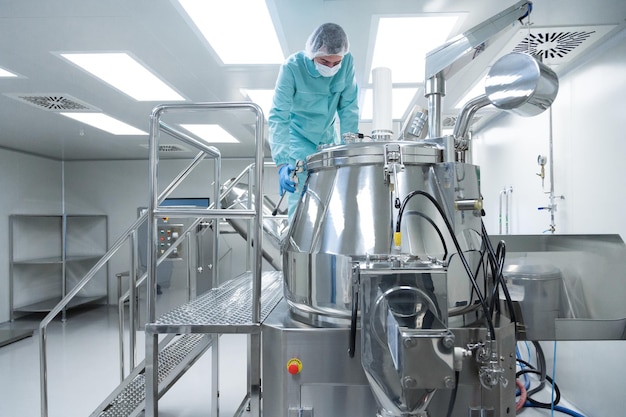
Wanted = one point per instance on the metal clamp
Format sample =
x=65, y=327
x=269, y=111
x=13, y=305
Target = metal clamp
x=393, y=163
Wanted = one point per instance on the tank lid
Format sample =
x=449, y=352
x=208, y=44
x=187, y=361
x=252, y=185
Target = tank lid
x=368, y=153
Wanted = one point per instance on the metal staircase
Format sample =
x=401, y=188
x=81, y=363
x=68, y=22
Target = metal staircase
x=175, y=341
x=227, y=305
x=176, y=355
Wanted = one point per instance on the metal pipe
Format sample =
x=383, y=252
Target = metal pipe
x=189, y=267
x=440, y=59
x=217, y=172
x=444, y=56
x=502, y=194
x=120, y=322
x=552, y=203
x=435, y=89
x=466, y=115
x=133, y=305
x=151, y=339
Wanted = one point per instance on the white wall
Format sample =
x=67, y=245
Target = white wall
x=33, y=185
x=588, y=125
x=29, y=185
x=118, y=188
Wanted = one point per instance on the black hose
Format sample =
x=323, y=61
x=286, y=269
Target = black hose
x=483, y=303
x=557, y=392
x=457, y=374
x=353, y=320
x=541, y=363
x=498, y=259
x=429, y=220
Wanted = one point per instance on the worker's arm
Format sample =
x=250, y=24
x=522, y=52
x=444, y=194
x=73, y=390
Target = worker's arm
x=279, y=116
x=348, y=106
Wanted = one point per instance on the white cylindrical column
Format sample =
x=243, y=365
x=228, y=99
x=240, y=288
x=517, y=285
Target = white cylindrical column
x=382, y=119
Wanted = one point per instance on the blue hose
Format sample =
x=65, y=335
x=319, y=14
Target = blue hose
x=557, y=408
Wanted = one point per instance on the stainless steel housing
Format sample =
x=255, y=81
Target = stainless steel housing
x=521, y=84
x=348, y=213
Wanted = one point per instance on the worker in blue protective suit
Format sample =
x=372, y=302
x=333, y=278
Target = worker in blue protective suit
x=315, y=87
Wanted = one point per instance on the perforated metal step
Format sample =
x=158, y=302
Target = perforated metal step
x=193, y=327
x=177, y=354
x=226, y=309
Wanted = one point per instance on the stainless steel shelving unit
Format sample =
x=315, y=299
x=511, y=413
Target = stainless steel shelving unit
x=47, y=256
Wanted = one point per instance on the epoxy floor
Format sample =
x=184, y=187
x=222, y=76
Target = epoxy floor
x=83, y=369
x=83, y=358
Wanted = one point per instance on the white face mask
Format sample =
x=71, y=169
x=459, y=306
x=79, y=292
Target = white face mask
x=327, y=71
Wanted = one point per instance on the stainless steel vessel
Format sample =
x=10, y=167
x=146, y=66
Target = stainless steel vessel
x=382, y=224
x=349, y=210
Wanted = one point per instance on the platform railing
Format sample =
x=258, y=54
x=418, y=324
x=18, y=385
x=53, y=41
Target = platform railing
x=128, y=235
x=137, y=281
x=254, y=215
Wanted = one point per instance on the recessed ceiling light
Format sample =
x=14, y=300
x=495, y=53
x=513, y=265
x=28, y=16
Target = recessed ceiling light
x=400, y=100
x=125, y=73
x=106, y=123
x=221, y=23
x=7, y=74
x=261, y=97
x=210, y=133
x=403, y=42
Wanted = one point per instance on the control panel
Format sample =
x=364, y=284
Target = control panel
x=168, y=233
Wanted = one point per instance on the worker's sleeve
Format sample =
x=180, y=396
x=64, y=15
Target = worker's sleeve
x=280, y=116
x=348, y=107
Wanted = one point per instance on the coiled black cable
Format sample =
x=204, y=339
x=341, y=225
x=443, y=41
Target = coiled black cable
x=557, y=392
x=497, y=259
x=483, y=303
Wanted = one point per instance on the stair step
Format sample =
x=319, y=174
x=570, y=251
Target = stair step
x=192, y=328
x=128, y=400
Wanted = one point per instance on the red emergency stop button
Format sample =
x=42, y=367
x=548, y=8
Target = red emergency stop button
x=294, y=366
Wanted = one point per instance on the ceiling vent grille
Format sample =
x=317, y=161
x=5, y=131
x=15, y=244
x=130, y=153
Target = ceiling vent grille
x=552, y=45
x=169, y=148
x=54, y=102
x=556, y=45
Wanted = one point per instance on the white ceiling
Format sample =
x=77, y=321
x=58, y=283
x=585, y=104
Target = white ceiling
x=33, y=32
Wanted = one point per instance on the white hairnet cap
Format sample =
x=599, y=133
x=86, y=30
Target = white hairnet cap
x=327, y=39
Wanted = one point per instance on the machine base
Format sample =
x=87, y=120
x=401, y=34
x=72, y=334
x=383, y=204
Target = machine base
x=326, y=382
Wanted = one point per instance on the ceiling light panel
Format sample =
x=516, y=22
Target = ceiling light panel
x=103, y=122
x=223, y=23
x=261, y=97
x=6, y=74
x=126, y=74
x=210, y=133
x=403, y=42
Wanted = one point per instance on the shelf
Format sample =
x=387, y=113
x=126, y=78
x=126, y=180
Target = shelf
x=56, y=260
x=49, y=255
x=47, y=305
x=39, y=261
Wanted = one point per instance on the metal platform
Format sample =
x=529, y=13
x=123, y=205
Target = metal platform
x=226, y=309
x=193, y=328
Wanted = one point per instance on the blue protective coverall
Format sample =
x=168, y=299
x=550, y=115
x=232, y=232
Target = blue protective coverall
x=304, y=110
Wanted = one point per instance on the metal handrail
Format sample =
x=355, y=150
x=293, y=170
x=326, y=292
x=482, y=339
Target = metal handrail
x=206, y=151
x=151, y=351
x=140, y=280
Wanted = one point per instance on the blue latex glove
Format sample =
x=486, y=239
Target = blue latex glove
x=285, y=180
